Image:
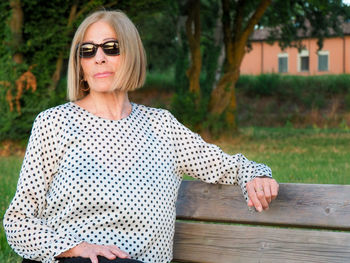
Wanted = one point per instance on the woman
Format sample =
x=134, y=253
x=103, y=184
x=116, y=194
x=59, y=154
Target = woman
x=100, y=176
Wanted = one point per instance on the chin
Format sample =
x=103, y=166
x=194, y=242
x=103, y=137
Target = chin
x=104, y=89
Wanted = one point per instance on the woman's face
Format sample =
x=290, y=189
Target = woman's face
x=99, y=71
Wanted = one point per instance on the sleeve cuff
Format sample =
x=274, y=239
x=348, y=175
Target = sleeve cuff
x=62, y=243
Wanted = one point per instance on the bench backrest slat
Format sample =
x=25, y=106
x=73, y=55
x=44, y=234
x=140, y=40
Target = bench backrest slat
x=262, y=237
x=211, y=243
x=302, y=205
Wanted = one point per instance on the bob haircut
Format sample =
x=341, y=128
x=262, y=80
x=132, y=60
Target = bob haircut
x=132, y=71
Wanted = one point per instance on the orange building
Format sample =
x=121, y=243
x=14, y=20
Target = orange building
x=333, y=58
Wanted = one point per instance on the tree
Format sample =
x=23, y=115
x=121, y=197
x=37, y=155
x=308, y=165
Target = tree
x=193, y=31
x=35, y=38
x=16, y=24
x=236, y=34
x=287, y=19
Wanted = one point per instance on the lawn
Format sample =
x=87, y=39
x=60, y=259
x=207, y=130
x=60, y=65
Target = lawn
x=297, y=155
x=294, y=155
x=9, y=169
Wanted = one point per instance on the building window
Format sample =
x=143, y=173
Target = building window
x=303, y=61
x=323, y=60
x=283, y=63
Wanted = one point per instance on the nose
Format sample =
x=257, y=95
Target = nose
x=100, y=56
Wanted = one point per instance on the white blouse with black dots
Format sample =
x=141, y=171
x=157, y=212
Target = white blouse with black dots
x=85, y=178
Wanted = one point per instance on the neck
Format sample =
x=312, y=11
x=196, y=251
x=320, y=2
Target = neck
x=113, y=105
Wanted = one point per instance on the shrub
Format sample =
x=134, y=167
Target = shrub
x=311, y=91
x=276, y=100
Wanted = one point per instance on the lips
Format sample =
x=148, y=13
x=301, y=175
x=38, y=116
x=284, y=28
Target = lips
x=103, y=74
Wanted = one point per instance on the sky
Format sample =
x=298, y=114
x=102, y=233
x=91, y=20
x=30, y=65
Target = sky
x=346, y=2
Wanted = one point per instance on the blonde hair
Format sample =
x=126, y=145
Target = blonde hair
x=132, y=72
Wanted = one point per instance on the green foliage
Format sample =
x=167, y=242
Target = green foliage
x=216, y=126
x=210, y=46
x=263, y=85
x=347, y=101
x=287, y=20
x=162, y=81
x=188, y=108
x=184, y=108
x=45, y=36
x=160, y=22
x=159, y=37
x=294, y=87
x=181, y=65
x=4, y=14
x=277, y=100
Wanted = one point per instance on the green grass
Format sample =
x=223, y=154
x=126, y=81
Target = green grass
x=294, y=155
x=297, y=155
x=9, y=170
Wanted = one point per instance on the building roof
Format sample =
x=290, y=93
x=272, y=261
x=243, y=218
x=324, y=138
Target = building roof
x=264, y=33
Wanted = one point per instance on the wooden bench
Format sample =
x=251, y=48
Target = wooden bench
x=306, y=223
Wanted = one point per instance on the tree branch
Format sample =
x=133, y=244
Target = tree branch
x=259, y=12
x=226, y=24
x=238, y=20
x=193, y=32
x=83, y=10
x=111, y=4
x=72, y=14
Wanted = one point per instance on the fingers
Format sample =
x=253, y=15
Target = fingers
x=250, y=203
x=118, y=252
x=110, y=252
x=99, y=250
x=253, y=197
x=107, y=253
x=261, y=191
x=93, y=259
x=267, y=191
x=274, y=189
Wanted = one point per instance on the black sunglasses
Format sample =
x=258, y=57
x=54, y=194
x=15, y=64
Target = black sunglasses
x=88, y=50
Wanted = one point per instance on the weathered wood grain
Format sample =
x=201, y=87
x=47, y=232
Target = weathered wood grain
x=214, y=243
x=303, y=205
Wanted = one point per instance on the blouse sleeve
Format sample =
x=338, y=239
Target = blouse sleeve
x=27, y=231
x=208, y=162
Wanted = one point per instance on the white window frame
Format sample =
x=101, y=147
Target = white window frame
x=283, y=55
x=322, y=53
x=303, y=53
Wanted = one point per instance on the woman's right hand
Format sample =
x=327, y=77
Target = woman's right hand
x=87, y=250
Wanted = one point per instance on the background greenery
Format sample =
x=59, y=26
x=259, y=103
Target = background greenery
x=270, y=107
x=35, y=38
x=297, y=101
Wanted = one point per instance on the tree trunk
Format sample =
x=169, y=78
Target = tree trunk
x=16, y=24
x=193, y=32
x=73, y=14
x=223, y=97
x=218, y=37
x=59, y=63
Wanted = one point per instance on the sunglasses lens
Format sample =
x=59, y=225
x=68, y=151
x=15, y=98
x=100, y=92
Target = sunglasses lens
x=87, y=50
x=111, y=48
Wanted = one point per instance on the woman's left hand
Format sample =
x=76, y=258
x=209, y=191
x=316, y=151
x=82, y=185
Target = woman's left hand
x=261, y=191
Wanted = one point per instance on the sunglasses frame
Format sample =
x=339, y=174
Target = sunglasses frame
x=96, y=46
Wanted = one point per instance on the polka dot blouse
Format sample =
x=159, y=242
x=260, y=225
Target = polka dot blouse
x=85, y=178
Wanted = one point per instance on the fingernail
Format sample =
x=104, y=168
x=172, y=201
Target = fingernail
x=259, y=208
